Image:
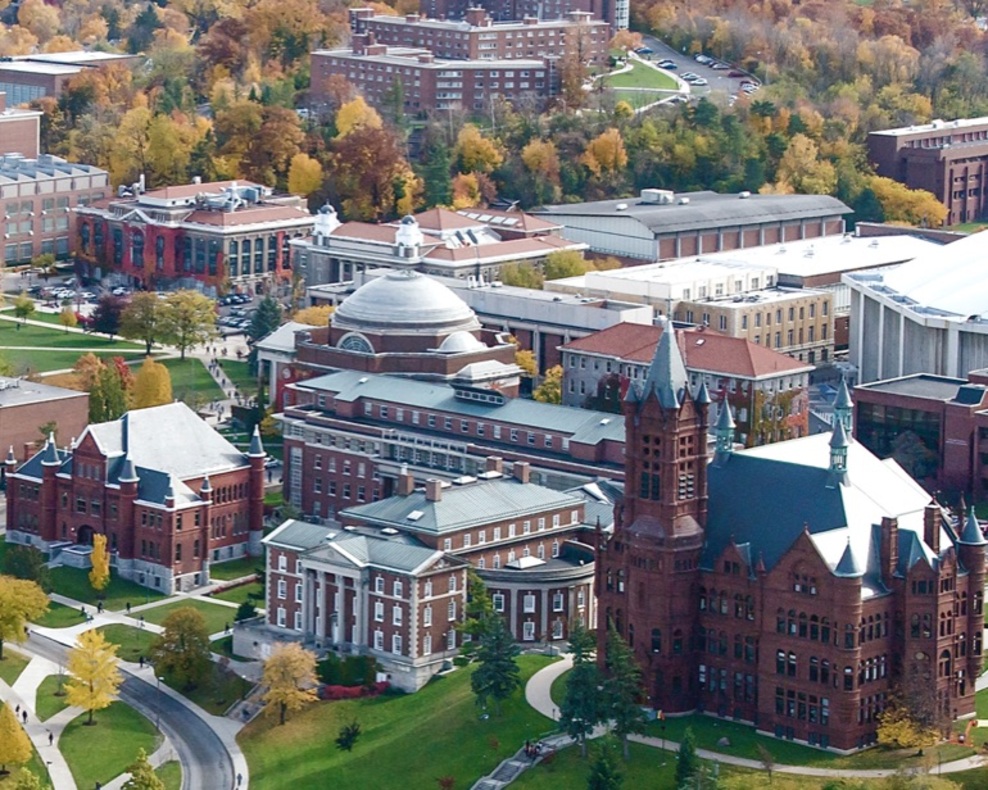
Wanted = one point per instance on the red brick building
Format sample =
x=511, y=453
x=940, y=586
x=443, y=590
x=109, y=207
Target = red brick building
x=26, y=405
x=791, y=585
x=171, y=495
x=224, y=234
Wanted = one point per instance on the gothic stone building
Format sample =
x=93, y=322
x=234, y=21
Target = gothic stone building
x=792, y=585
x=171, y=495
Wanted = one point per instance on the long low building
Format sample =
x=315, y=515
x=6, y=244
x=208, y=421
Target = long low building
x=660, y=224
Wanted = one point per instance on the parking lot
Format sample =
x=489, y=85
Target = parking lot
x=706, y=77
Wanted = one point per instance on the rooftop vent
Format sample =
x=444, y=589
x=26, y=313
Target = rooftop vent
x=389, y=531
x=683, y=201
x=621, y=207
x=662, y=197
x=415, y=515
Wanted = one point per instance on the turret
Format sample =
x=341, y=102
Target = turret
x=838, y=450
x=725, y=431
x=844, y=407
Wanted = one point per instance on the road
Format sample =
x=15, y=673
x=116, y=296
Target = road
x=206, y=763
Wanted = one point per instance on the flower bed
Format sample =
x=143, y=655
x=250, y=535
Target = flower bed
x=330, y=692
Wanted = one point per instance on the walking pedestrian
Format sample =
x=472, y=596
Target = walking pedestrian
x=51, y=738
x=128, y=607
x=24, y=715
x=17, y=710
x=140, y=662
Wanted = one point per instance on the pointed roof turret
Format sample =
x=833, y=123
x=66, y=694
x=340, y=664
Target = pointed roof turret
x=206, y=487
x=725, y=429
x=170, y=491
x=972, y=535
x=838, y=449
x=702, y=395
x=844, y=406
x=11, y=458
x=128, y=473
x=847, y=566
x=667, y=373
x=256, y=448
x=51, y=451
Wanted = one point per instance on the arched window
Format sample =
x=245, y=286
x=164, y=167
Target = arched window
x=914, y=626
x=945, y=664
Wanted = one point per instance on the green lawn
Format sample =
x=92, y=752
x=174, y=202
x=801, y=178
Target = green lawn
x=566, y=769
x=239, y=373
x=12, y=665
x=224, y=646
x=191, y=381
x=54, y=337
x=461, y=742
x=74, y=583
x=241, y=593
x=30, y=360
x=60, y=616
x=216, y=615
x=133, y=642
x=217, y=692
x=274, y=498
x=171, y=774
x=642, y=76
x=99, y=753
x=234, y=569
x=969, y=227
x=47, y=703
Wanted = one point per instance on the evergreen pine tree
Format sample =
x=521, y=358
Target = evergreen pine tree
x=687, y=763
x=497, y=677
x=604, y=773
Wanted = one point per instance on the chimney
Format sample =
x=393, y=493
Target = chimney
x=494, y=464
x=411, y=19
x=931, y=526
x=406, y=482
x=433, y=490
x=522, y=471
x=476, y=16
x=889, y=546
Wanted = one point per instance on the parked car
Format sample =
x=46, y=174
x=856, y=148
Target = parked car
x=699, y=82
x=704, y=59
x=645, y=51
x=736, y=73
x=718, y=66
x=749, y=89
x=665, y=63
x=689, y=75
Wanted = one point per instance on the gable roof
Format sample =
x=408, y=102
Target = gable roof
x=704, y=350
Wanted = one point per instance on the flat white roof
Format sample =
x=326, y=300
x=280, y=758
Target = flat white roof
x=932, y=126
x=79, y=56
x=34, y=67
x=408, y=56
x=681, y=270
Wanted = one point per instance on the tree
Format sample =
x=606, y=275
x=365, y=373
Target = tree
x=604, y=772
x=21, y=602
x=478, y=610
x=370, y=175
x=181, y=651
x=68, y=318
x=25, y=780
x=525, y=359
x=551, y=388
x=245, y=611
x=605, y=155
x=152, y=385
x=687, y=763
x=903, y=728
x=23, y=306
x=107, y=398
x=522, y=275
x=15, y=746
x=317, y=315
x=304, y=175
x=767, y=760
x=497, y=676
x=188, y=319
x=142, y=775
x=107, y=315
x=99, y=575
x=356, y=114
x=93, y=664
x=901, y=204
x=347, y=738
x=622, y=689
x=28, y=563
x=582, y=707
x=142, y=319
x=265, y=320
x=290, y=677
x=565, y=263
x=475, y=153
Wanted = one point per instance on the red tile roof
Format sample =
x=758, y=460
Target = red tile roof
x=247, y=216
x=703, y=350
x=191, y=190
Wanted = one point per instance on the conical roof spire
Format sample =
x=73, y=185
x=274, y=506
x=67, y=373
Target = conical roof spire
x=844, y=406
x=971, y=535
x=667, y=373
x=11, y=458
x=206, y=487
x=848, y=565
x=128, y=473
x=838, y=448
x=256, y=448
x=702, y=394
x=51, y=451
x=725, y=429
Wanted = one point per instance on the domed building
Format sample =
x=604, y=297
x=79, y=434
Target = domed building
x=407, y=324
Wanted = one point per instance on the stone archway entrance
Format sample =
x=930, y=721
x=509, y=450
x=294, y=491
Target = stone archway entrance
x=84, y=536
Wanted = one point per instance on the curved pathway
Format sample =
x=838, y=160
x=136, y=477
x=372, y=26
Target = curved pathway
x=538, y=695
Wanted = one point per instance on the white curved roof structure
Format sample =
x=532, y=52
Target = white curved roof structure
x=460, y=342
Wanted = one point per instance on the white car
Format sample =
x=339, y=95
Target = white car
x=699, y=82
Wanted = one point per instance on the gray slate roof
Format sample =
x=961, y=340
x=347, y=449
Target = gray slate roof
x=462, y=506
x=299, y=535
x=705, y=210
x=582, y=425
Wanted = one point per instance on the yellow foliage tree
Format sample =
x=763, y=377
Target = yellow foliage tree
x=21, y=601
x=605, y=154
x=15, y=746
x=99, y=574
x=525, y=359
x=565, y=263
x=541, y=159
x=95, y=674
x=152, y=385
x=802, y=168
x=897, y=729
x=466, y=190
x=408, y=191
x=902, y=204
x=317, y=315
x=551, y=388
x=290, y=678
x=67, y=318
x=39, y=18
x=475, y=153
x=304, y=175
x=356, y=114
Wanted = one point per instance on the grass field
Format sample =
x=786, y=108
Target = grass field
x=133, y=642
x=101, y=752
x=60, y=616
x=239, y=373
x=47, y=703
x=646, y=768
x=216, y=693
x=74, y=583
x=12, y=665
x=55, y=337
x=462, y=742
x=26, y=361
x=642, y=76
x=969, y=227
x=234, y=569
x=191, y=381
x=170, y=774
x=215, y=615
x=241, y=593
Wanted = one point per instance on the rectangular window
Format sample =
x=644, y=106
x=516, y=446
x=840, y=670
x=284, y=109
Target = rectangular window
x=378, y=612
x=427, y=615
x=379, y=584
x=396, y=644
x=396, y=615
x=282, y=589
x=528, y=603
x=557, y=602
x=397, y=588
x=497, y=600
x=528, y=632
x=378, y=640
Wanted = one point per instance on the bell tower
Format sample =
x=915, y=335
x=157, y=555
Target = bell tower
x=649, y=569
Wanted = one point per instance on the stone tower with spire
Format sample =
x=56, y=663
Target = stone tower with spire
x=649, y=570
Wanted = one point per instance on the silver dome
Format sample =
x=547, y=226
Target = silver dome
x=404, y=300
